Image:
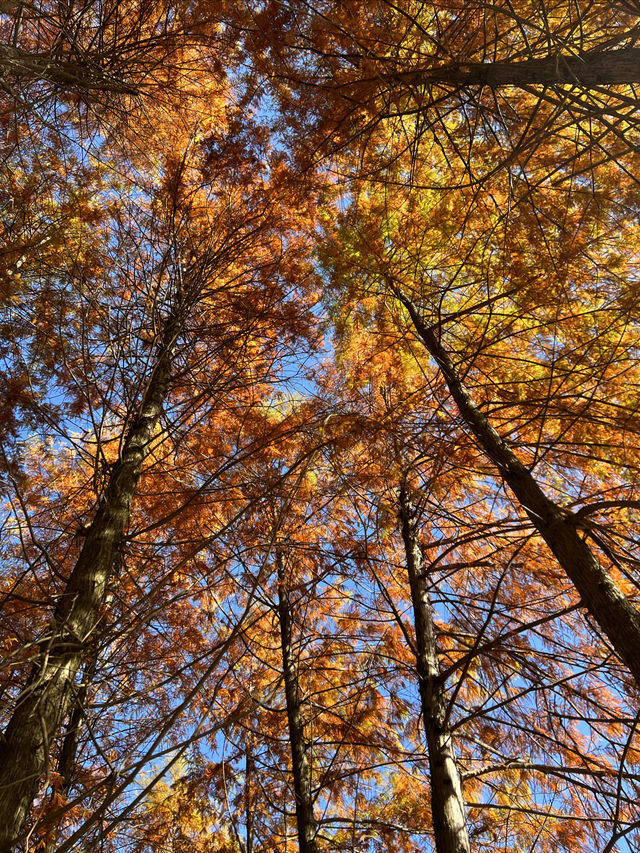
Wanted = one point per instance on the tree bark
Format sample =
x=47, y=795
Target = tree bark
x=306, y=824
x=602, y=597
x=43, y=704
x=447, y=804
x=598, y=68
x=66, y=74
x=248, y=799
x=68, y=753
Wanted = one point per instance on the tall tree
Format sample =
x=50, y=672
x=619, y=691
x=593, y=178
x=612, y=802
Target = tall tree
x=508, y=635
x=195, y=270
x=436, y=293
x=506, y=76
x=305, y=821
x=255, y=602
x=42, y=706
x=447, y=806
x=603, y=598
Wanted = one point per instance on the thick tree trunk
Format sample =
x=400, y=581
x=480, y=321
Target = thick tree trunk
x=598, y=68
x=447, y=805
x=43, y=704
x=307, y=828
x=610, y=608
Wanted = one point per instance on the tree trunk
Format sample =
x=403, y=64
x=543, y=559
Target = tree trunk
x=306, y=824
x=248, y=799
x=610, y=608
x=598, y=68
x=66, y=74
x=68, y=753
x=43, y=704
x=447, y=805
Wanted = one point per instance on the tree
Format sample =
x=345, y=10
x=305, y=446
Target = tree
x=431, y=299
x=509, y=641
x=97, y=52
x=197, y=275
x=306, y=823
x=447, y=805
x=471, y=76
x=603, y=598
x=319, y=430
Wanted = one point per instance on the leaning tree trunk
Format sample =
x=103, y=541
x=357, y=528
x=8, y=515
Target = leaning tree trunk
x=602, y=597
x=596, y=68
x=307, y=828
x=66, y=74
x=43, y=704
x=447, y=805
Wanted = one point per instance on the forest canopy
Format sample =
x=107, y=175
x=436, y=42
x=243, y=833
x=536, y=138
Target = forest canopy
x=319, y=426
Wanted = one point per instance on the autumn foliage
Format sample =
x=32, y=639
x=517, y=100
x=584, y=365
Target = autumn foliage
x=319, y=427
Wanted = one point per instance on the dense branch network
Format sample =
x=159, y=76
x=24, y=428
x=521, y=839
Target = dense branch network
x=319, y=426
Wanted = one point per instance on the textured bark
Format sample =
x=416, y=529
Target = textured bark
x=599, y=68
x=611, y=609
x=307, y=828
x=43, y=704
x=447, y=804
x=68, y=75
x=248, y=799
x=68, y=753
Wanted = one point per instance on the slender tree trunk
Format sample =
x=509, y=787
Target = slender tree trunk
x=43, y=704
x=69, y=751
x=597, y=68
x=248, y=799
x=447, y=805
x=306, y=824
x=610, y=608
